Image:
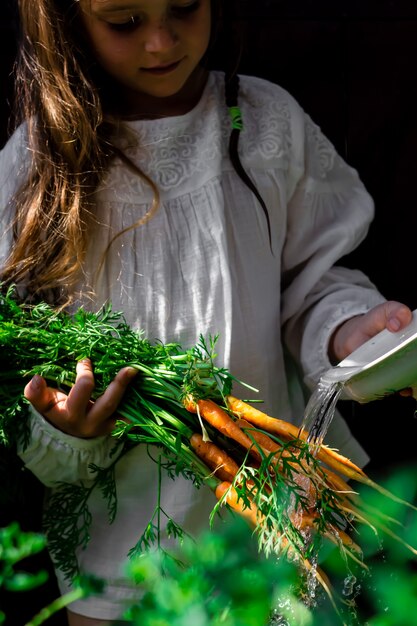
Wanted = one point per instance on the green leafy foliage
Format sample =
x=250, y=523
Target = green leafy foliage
x=15, y=546
x=219, y=580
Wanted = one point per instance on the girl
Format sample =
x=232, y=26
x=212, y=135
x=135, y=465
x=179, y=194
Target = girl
x=131, y=179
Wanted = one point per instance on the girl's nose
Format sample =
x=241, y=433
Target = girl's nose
x=160, y=37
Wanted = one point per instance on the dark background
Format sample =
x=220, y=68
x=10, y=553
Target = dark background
x=351, y=65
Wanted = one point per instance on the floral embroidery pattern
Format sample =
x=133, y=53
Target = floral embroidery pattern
x=325, y=152
x=172, y=150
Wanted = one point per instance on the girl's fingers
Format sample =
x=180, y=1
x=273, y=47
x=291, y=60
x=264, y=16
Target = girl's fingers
x=78, y=400
x=106, y=405
x=398, y=316
x=391, y=315
x=93, y=419
x=76, y=414
x=41, y=397
x=48, y=402
x=101, y=415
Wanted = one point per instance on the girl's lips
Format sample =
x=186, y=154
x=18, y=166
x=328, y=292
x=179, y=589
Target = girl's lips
x=161, y=69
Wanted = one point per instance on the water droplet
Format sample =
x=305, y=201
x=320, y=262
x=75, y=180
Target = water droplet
x=349, y=585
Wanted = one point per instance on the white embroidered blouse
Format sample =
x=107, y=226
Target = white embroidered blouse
x=204, y=264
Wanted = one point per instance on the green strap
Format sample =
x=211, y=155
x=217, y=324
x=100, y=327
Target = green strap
x=236, y=117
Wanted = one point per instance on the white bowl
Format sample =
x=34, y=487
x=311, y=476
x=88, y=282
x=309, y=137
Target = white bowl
x=383, y=365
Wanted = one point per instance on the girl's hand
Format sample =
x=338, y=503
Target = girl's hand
x=391, y=315
x=76, y=414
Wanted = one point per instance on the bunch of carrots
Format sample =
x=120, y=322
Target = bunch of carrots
x=314, y=501
x=260, y=466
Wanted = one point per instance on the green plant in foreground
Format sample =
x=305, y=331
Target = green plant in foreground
x=221, y=579
x=14, y=547
x=84, y=586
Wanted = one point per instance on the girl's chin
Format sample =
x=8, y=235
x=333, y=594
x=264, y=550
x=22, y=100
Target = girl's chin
x=162, y=98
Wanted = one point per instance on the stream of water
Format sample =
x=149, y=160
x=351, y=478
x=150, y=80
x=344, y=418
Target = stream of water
x=317, y=418
x=320, y=410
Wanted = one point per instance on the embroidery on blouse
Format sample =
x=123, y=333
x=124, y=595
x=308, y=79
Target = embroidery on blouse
x=269, y=128
x=172, y=151
x=324, y=151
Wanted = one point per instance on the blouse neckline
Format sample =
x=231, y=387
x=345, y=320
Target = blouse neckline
x=174, y=120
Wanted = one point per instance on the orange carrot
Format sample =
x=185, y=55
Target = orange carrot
x=342, y=536
x=340, y=463
x=328, y=478
x=262, y=420
x=250, y=513
x=290, y=431
x=223, y=466
x=336, y=482
x=332, y=480
x=221, y=420
x=254, y=518
x=266, y=443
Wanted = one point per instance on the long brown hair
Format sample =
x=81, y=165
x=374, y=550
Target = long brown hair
x=60, y=94
x=69, y=148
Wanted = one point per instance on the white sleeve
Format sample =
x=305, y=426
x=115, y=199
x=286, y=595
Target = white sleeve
x=53, y=456
x=329, y=212
x=14, y=165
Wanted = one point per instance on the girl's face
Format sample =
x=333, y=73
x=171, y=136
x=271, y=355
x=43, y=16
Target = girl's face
x=151, y=48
